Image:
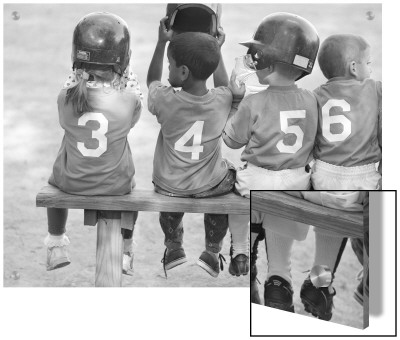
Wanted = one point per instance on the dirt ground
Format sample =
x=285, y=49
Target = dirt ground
x=37, y=50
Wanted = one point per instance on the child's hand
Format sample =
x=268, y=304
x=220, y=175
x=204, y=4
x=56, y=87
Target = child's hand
x=220, y=36
x=163, y=34
x=238, y=91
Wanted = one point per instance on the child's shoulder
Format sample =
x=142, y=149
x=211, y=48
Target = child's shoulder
x=222, y=90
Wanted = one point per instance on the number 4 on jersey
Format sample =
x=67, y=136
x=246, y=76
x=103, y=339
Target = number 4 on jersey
x=195, y=131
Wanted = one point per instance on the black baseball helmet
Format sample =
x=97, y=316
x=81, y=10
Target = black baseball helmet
x=285, y=38
x=101, y=38
x=193, y=18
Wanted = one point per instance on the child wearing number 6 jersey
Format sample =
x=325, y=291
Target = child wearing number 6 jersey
x=97, y=108
x=188, y=160
x=348, y=146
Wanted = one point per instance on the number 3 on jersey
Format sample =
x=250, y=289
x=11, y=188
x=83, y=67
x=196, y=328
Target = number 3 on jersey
x=99, y=134
x=195, y=131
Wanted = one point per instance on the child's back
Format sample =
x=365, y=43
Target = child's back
x=348, y=125
x=99, y=157
x=278, y=127
x=188, y=158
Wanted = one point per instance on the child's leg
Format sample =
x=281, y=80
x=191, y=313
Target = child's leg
x=239, y=229
x=56, y=220
x=279, y=249
x=239, y=252
x=278, y=291
x=216, y=227
x=257, y=234
x=171, y=224
x=56, y=240
x=127, y=261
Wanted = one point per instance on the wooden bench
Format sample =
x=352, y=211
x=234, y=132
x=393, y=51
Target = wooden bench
x=277, y=203
x=117, y=213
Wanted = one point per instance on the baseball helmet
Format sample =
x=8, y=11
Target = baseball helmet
x=101, y=38
x=194, y=18
x=284, y=38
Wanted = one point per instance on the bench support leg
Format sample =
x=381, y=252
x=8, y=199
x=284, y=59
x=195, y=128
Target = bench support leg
x=109, y=253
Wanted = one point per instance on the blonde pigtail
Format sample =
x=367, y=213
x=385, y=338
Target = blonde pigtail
x=78, y=94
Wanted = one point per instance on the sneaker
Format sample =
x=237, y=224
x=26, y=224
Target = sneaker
x=211, y=263
x=173, y=258
x=317, y=301
x=127, y=263
x=278, y=293
x=254, y=295
x=239, y=264
x=57, y=257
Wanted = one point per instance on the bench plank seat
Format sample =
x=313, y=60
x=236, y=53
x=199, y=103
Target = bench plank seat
x=280, y=204
x=143, y=200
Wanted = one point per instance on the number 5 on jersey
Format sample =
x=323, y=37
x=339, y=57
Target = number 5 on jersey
x=195, y=131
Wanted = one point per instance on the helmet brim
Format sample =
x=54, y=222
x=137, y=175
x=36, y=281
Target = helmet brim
x=251, y=42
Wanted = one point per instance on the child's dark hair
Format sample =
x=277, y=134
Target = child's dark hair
x=337, y=50
x=77, y=94
x=200, y=52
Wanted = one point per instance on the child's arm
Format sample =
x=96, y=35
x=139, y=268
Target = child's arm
x=156, y=64
x=220, y=75
x=237, y=94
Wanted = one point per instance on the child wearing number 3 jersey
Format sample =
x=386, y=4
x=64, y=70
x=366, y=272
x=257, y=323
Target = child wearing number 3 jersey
x=188, y=159
x=96, y=109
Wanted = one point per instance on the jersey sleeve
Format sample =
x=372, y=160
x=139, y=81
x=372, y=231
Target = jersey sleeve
x=137, y=111
x=238, y=127
x=153, y=97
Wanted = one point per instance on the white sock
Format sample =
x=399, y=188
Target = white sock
x=279, y=249
x=56, y=240
x=326, y=249
x=239, y=228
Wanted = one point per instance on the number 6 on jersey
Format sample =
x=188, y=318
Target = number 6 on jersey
x=195, y=131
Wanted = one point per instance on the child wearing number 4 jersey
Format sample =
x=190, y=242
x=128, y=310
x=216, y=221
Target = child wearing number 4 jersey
x=277, y=126
x=187, y=159
x=98, y=106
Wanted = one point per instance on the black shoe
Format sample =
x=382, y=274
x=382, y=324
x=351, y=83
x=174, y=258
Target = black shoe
x=317, y=301
x=278, y=293
x=239, y=264
x=173, y=258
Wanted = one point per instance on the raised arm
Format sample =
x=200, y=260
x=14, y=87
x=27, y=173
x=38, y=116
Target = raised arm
x=156, y=64
x=237, y=96
x=220, y=75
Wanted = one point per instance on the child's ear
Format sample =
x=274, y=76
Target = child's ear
x=184, y=72
x=353, y=68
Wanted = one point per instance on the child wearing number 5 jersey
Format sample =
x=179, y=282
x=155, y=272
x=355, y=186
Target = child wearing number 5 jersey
x=96, y=109
x=277, y=126
x=188, y=160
